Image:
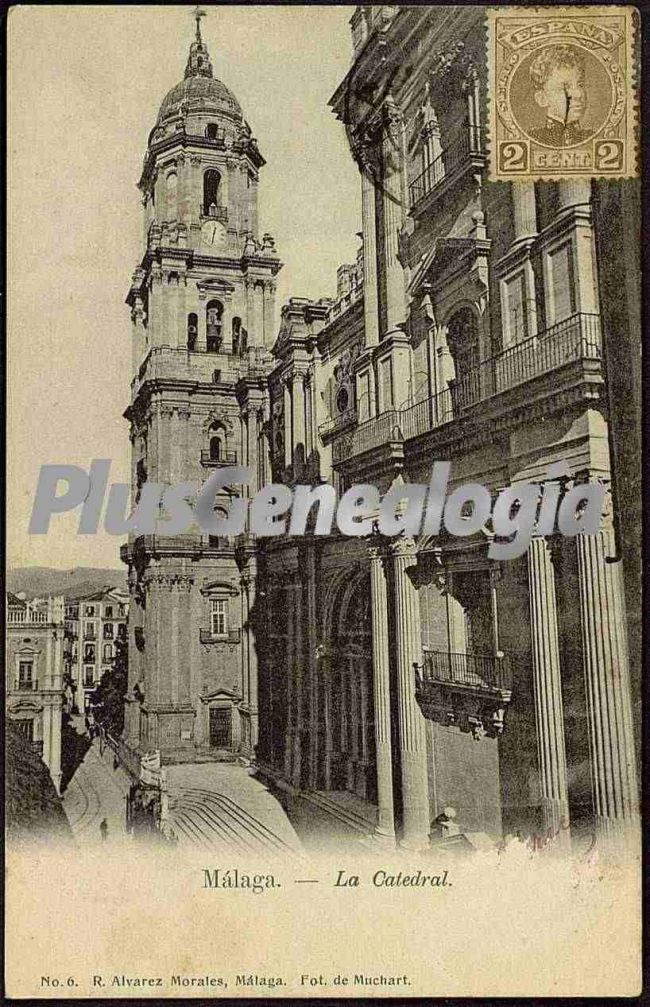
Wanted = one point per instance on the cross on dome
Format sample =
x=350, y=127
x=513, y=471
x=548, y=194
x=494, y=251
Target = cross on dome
x=197, y=14
x=198, y=62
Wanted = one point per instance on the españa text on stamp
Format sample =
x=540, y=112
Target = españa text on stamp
x=562, y=86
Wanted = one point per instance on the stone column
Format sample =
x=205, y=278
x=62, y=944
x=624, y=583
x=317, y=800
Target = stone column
x=201, y=326
x=258, y=330
x=392, y=193
x=607, y=687
x=549, y=714
x=288, y=425
x=576, y=192
x=524, y=210
x=298, y=418
x=311, y=659
x=369, y=225
x=381, y=682
x=249, y=582
x=412, y=738
x=269, y=313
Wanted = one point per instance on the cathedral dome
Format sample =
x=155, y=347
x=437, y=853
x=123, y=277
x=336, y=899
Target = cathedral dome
x=200, y=92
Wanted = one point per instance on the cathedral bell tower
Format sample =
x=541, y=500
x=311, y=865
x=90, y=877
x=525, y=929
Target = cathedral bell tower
x=203, y=311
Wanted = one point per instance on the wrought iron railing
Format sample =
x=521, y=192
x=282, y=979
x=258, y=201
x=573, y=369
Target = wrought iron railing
x=574, y=338
x=226, y=458
x=478, y=671
x=334, y=423
x=467, y=143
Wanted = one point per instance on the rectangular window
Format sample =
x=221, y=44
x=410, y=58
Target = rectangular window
x=108, y=652
x=90, y=610
x=89, y=676
x=562, y=282
x=109, y=612
x=89, y=652
x=516, y=320
x=219, y=621
x=26, y=675
x=108, y=630
x=90, y=631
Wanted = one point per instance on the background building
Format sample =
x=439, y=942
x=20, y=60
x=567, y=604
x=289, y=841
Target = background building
x=93, y=622
x=34, y=675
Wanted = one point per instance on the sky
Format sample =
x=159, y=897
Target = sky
x=84, y=88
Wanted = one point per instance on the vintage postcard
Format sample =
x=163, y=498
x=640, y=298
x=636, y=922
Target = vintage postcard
x=323, y=610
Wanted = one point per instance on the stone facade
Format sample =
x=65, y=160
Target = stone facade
x=34, y=675
x=416, y=675
x=202, y=306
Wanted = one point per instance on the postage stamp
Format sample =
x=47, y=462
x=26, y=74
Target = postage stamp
x=562, y=92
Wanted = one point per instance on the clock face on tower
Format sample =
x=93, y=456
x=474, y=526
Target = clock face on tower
x=213, y=234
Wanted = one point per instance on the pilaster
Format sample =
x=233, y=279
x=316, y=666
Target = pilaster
x=381, y=680
x=412, y=737
x=607, y=687
x=549, y=713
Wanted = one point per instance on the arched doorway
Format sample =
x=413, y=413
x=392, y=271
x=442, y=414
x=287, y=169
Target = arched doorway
x=347, y=758
x=463, y=342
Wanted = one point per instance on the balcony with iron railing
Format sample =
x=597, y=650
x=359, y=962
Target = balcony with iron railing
x=572, y=340
x=225, y=458
x=465, y=148
x=472, y=671
x=469, y=691
x=215, y=212
x=334, y=424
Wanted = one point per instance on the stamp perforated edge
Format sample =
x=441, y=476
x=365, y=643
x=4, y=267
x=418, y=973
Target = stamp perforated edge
x=632, y=22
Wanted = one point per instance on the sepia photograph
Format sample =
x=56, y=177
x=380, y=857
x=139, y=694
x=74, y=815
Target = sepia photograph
x=323, y=579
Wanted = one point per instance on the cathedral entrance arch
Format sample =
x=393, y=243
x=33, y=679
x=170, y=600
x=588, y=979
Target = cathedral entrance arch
x=347, y=756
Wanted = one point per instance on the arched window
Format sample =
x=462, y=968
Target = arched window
x=217, y=442
x=214, y=541
x=140, y=477
x=192, y=330
x=213, y=323
x=463, y=340
x=211, y=181
x=212, y=131
x=236, y=334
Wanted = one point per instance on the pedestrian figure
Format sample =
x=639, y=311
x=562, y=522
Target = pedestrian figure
x=103, y=828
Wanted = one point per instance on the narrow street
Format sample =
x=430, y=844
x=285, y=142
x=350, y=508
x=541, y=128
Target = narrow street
x=212, y=806
x=96, y=791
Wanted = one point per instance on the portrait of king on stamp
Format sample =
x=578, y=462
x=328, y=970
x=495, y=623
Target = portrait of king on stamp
x=562, y=92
